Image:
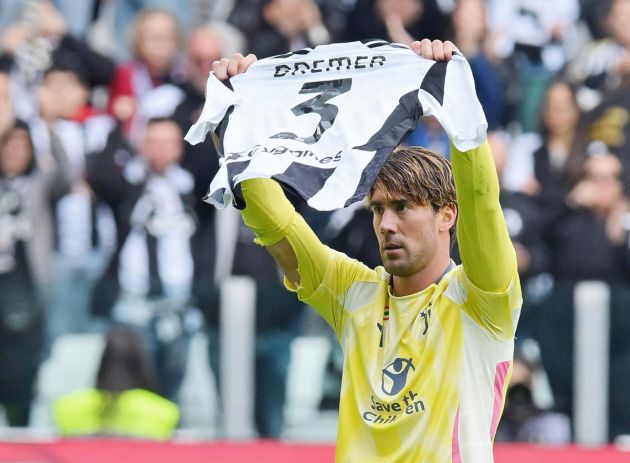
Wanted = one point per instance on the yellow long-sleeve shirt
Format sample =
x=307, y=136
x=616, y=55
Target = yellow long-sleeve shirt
x=424, y=375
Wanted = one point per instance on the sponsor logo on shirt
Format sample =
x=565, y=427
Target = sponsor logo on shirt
x=395, y=376
x=393, y=381
x=388, y=412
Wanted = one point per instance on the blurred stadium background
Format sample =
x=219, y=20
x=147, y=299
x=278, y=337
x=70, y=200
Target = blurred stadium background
x=97, y=94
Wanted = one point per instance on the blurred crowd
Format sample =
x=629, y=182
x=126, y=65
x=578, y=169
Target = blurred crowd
x=102, y=224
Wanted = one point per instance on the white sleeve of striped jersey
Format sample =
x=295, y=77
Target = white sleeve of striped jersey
x=460, y=114
x=218, y=100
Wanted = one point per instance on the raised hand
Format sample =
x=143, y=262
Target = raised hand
x=436, y=50
x=229, y=67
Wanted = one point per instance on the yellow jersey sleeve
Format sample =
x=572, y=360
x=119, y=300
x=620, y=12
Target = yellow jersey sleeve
x=488, y=258
x=325, y=275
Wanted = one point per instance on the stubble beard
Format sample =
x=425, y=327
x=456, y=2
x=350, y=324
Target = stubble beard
x=403, y=266
x=408, y=264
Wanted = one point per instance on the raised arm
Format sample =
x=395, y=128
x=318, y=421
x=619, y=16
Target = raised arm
x=291, y=242
x=487, y=253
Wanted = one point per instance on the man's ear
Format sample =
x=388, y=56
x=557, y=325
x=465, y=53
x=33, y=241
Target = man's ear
x=447, y=217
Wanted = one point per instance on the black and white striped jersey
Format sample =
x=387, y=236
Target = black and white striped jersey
x=324, y=120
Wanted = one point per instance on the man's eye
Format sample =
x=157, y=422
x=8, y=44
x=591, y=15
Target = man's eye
x=401, y=207
x=378, y=210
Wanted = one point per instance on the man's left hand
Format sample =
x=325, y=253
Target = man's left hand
x=436, y=50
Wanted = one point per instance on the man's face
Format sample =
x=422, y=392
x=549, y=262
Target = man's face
x=204, y=47
x=407, y=233
x=605, y=173
x=158, y=42
x=162, y=146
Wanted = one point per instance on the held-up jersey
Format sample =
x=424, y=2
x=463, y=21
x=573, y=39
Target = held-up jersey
x=425, y=375
x=324, y=120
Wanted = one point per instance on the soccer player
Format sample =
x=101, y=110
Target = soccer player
x=427, y=344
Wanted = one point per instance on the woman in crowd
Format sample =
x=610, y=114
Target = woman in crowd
x=155, y=46
x=27, y=190
x=124, y=402
x=547, y=164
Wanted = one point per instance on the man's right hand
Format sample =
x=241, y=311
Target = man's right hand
x=229, y=67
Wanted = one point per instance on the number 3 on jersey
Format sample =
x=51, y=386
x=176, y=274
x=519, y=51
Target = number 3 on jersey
x=326, y=90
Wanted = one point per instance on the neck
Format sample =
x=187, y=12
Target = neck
x=404, y=286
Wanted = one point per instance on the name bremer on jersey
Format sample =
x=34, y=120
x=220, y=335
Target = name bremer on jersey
x=328, y=65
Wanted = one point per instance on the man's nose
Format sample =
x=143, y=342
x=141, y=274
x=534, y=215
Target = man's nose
x=389, y=222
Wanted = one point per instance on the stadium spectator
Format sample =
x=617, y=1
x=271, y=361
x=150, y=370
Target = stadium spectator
x=27, y=191
x=155, y=44
x=83, y=227
x=280, y=26
x=522, y=420
x=590, y=242
x=556, y=163
x=395, y=20
x=37, y=39
x=608, y=126
x=149, y=280
x=590, y=238
x=124, y=401
x=532, y=32
x=127, y=12
x=538, y=40
x=205, y=45
x=547, y=165
x=604, y=64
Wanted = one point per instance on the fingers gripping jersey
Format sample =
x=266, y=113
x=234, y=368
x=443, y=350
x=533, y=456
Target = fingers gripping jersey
x=324, y=120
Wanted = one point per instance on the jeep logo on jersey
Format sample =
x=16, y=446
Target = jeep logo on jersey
x=395, y=376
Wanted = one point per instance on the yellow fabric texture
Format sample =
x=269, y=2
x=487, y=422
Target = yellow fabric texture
x=485, y=247
x=481, y=232
x=134, y=413
x=271, y=217
x=424, y=375
x=268, y=212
